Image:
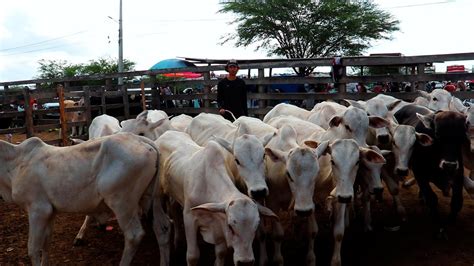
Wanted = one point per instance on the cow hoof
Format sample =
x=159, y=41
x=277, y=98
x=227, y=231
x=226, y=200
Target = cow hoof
x=79, y=242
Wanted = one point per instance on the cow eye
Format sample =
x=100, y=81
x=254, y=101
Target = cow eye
x=332, y=162
x=231, y=229
x=348, y=128
x=237, y=162
x=289, y=176
x=435, y=99
x=357, y=163
x=141, y=134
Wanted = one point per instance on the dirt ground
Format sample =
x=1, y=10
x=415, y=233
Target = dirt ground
x=413, y=244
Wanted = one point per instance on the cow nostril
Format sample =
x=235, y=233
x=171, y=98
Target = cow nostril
x=450, y=166
x=245, y=263
x=378, y=193
x=383, y=139
x=259, y=194
x=303, y=213
x=344, y=199
x=402, y=172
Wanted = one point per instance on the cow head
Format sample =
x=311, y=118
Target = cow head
x=248, y=154
x=438, y=99
x=469, y=111
x=370, y=169
x=450, y=132
x=241, y=222
x=142, y=127
x=404, y=138
x=301, y=169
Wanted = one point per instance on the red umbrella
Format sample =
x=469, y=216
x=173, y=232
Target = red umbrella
x=187, y=75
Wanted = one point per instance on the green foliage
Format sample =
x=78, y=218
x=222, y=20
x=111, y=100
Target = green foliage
x=51, y=69
x=308, y=28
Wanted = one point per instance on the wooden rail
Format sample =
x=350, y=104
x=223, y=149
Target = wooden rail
x=150, y=98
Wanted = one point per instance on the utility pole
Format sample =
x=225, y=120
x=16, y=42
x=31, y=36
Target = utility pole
x=120, y=44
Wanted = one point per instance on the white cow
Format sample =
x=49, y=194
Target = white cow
x=304, y=130
x=322, y=113
x=197, y=178
x=103, y=125
x=245, y=152
x=255, y=126
x=181, y=122
x=286, y=109
x=291, y=176
x=114, y=173
x=149, y=123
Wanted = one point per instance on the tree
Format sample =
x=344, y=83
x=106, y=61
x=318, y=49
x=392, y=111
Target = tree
x=308, y=28
x=50, y=69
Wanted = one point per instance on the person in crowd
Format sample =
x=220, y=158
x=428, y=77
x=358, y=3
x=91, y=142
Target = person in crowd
x=450, y=86
x=232, y=93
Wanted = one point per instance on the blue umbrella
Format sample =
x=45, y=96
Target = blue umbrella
x=172, y=63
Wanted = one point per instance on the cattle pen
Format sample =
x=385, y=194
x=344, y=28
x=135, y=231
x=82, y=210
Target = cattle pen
x=132, y=97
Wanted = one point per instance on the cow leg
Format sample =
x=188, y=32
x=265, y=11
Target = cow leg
x=220, y=251
x=313, y=231
x=40, y=220
x=161, y=227
x=339, y=226
x=456, y=199
x=394, y=190
x=192, y=251
x=431, y=200
x=367, y=213
x=133, y=234
x=73, y=131
x=261, y=237
x=277, y=238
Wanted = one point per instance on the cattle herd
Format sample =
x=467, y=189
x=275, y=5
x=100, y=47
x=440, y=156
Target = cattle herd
x=230, y=182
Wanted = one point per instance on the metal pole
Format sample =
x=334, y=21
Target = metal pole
x=120, y=43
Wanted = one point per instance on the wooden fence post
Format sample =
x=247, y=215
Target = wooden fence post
x=126, y=104
x=28, y=113
x=421, y=71
x=261, y=89
x=87, y=105
x=62, y=115
x=142, y=87
x=342, y=86
x=207, y=89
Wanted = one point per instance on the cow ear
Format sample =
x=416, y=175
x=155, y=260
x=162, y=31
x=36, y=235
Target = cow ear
x=287, y=132
x=224, y=143
x=424, y=94
x=322, y=148
x=392, y=106
x=212, y=207
x=266, y=212
x=424, y=139
x=457, y=105
x=371, y=156
x=275, y=155
x=267, y=138
x=243, y=128
x=157, y=123
x=126, y=123
x=356, y=104
x=425, y=119
x=335, y=121
x=143, y=114
x=378, y=122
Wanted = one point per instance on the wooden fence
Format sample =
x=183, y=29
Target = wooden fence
x=36, y=120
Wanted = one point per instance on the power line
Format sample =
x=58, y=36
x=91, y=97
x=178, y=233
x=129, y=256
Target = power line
x=32, y=51
x=423, y=4
x=45, y=41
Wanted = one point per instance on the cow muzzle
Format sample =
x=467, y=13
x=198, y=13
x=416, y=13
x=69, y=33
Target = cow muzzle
x=245, y=263
x=449, y=166
x=383, y=139
x=304, y=213
x=401, y=172
x=259, y=194
x=344, y=199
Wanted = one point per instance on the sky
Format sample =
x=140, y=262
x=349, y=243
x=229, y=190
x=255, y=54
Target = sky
x=80, y=31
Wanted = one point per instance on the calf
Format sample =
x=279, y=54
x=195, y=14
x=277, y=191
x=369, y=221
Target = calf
x=440, y=163
x=197, y=178
x=111, y=173
x=76, y=116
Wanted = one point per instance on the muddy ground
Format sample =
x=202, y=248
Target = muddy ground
x=413, y=244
